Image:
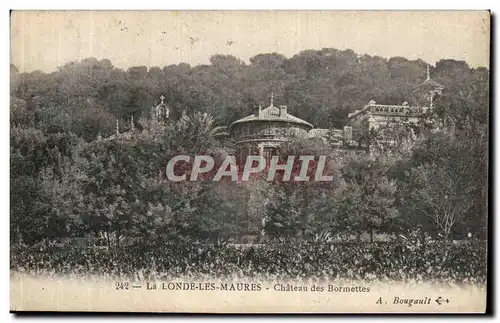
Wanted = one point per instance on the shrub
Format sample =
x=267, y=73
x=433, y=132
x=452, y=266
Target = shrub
x=433, y=262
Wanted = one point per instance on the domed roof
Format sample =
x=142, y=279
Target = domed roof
x=272, y=113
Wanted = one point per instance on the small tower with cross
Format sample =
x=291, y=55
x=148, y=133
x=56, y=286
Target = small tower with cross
x=427, y=91
x=161, y=112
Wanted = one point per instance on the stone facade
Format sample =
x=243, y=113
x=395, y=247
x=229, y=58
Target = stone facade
x=374, y=116
x=262, y=132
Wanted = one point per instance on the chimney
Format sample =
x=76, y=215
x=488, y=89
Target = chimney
x=347, y=133
x=257, y=110
x=282, y=111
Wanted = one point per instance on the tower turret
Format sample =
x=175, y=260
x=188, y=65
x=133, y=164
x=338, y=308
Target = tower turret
x=426, y=92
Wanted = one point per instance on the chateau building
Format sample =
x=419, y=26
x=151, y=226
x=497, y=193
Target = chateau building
x=263, y=131
x=374, y=115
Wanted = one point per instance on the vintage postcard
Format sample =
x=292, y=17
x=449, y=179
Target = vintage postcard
x=249, y=161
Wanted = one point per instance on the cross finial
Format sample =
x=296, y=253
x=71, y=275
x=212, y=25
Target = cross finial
x=161, y=99
x=428, y=73
x=272, y=98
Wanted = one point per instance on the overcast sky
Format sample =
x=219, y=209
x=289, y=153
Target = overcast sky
x=46, y=40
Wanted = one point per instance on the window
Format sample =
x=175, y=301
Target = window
x=244, y=130
x=268, y=152
x=269, y=131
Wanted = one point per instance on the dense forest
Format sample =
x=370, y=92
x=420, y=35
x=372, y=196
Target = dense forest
x=321, y=87
x=65, y=183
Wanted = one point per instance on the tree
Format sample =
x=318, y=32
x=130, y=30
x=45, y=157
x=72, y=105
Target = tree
x=302, y=209
x=52, y=113
x=439, y=193
x=40, y=179
x=459, y=151
x=368, y=203
x=443, y=182
x=201, y=126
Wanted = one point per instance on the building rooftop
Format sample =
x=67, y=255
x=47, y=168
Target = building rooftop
x=372, y=103
x=316, y=133
x=428, y=83
x=272, y=113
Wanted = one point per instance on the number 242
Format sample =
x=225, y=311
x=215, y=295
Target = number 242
x=121, y=285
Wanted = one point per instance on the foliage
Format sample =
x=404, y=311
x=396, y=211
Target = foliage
x=71, y=176
x=459, y=263
x=320, y=86
x=368, y=196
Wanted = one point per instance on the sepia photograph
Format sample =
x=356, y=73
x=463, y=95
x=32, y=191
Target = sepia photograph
x=266, y=161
